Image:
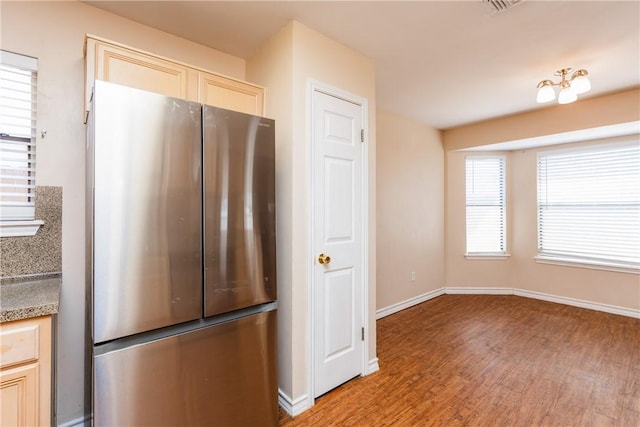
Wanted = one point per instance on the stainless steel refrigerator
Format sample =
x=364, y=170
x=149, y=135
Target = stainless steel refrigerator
x=181, y=295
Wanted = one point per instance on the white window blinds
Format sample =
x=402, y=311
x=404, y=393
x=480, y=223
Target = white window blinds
x=589, y=204
x=17, y=136
x=485, y=204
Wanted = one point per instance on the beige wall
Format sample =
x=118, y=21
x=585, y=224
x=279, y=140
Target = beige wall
x=458, y=270
x=620, y=107
x=272, y=67
x=521, y=271
x=55, y=35
x=604, y=287
x=410, y=226
x=319, y=58
x=289, y=61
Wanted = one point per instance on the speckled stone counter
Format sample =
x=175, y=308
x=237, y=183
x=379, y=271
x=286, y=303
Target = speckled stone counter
x=29, y=297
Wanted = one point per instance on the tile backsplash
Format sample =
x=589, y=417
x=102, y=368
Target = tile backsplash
x=42, y=253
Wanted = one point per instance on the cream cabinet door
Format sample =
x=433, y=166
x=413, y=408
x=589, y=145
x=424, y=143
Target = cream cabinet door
x=231, y=94
x=112, y=62
x=25, y=372
x=118, y=64
x=19, y=396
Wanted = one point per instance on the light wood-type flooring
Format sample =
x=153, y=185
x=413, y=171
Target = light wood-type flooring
x=492, y=360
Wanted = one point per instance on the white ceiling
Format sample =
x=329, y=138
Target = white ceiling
x=443, y=63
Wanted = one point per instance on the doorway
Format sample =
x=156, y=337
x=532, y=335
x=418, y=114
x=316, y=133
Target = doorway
x=338, y=238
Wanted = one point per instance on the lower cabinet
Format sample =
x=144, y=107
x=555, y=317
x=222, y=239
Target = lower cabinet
x=25, y=372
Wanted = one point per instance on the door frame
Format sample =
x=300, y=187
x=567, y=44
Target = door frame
x=312, y=87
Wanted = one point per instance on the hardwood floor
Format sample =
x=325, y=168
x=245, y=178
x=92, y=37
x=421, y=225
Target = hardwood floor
x=488, y=360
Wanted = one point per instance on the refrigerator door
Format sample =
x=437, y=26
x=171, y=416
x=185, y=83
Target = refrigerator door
x=147, y=261
x=221, y=375
x=239, y=206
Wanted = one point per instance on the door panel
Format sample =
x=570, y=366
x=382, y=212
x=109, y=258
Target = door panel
x=239, y=181
x=338, y=128
x=146, y=169
x=339, y=198
x=338, y=221
x=338, y=322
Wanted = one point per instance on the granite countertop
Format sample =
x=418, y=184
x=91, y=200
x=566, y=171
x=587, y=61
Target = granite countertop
x=29, y=297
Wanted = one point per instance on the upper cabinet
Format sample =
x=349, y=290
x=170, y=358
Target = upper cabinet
x=112, y=62
x=223, y=92
x=117, y=64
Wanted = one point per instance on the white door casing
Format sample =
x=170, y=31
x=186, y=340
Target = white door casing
x=338, y=231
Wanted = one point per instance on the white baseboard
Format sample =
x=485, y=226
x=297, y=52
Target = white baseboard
x=497, y=290
x=462, y=290
x=607, y=308
x=291, y=406
x=613, y=309
x=373, y=366
x=84, y=420
x=383, y=312
x=302, y=403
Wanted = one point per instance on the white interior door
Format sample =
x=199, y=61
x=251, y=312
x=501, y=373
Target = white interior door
x=338, y=241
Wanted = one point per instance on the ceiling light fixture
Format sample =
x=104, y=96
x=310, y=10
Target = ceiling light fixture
x=570, y=87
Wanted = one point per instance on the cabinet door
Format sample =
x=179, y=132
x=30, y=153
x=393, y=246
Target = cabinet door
x=127, y=67
x=25, y=372
x=231, y=94
x=18, y=394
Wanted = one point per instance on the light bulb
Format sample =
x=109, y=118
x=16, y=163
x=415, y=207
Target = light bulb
x=567, y=95
x=545, y=92
x=581, y=83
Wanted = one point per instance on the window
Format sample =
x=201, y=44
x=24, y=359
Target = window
x=589, y=205
x=485, y=203
x=17, y=139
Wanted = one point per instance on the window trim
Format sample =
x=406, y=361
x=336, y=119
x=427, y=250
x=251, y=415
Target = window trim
x=11, y=228
x=495, y=256
x=489, y=255
x=590, y=264
x=554, y=258
x=18, y=221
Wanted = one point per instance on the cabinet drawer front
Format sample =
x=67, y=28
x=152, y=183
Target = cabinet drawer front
x=18, y=344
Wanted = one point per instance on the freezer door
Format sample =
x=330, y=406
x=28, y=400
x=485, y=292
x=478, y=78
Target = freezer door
x=147, y=204
x=239, y=184
x=222, y=375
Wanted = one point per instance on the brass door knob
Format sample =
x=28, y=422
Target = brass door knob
x=324, y=259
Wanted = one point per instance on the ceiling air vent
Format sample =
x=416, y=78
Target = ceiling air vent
x=500, y=5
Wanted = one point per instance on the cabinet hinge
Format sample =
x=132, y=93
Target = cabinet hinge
x=362, y=333
x=361, y=135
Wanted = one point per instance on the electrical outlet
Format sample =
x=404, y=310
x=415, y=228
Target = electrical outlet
x=413, y=276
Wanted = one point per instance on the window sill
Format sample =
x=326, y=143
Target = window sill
x=487, y=256
x=580, y=263
x=19, y=228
